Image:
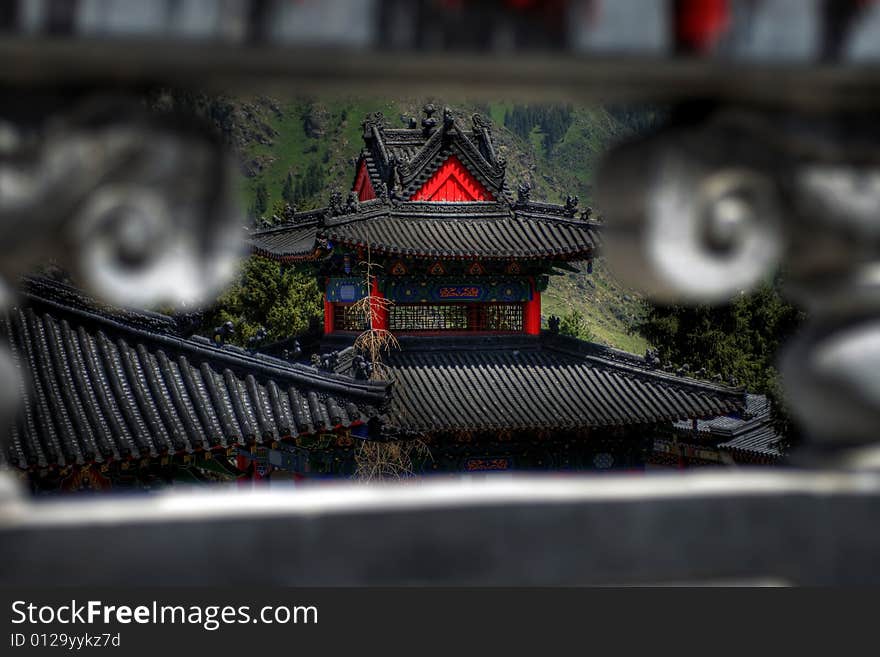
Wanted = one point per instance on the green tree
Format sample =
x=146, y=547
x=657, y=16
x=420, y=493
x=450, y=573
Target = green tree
x=739, y=339
x=261, y=200
x=282, y=300
x=574, y=324
x=287, y=192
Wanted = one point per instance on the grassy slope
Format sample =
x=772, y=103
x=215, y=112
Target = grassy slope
x=567, y=168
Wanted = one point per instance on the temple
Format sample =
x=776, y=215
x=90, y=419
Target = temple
x=452, y=262
x=432, y=270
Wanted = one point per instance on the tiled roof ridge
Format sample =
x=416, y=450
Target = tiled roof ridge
x=447, y=135
x=452, y=209
x=71, y=299
x=567, y=345
x=295, y=220
x=44, y=292
x=630, y=363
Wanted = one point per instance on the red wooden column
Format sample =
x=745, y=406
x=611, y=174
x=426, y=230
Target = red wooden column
x=378, y=311
x=532, y=313
x=328, y=310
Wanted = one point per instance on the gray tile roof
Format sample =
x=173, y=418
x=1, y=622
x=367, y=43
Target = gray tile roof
x=402, y=160
x=109, y=384
x=546, y=382
x=449, y=230
x=750, y=431
x=485, y=230
x=287, y=242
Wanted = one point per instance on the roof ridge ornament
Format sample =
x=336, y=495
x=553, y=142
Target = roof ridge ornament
x=188, y=323
x=373, y=120
x=448, y=118
x=258, y=339
x=223, y=333
x=335, y=207
x=286, y=215
x=480, y=122
x=352, y=203
x=429, y=123
x=524, y=193
x=571, y=203
x=483, y=129
x=382, y=192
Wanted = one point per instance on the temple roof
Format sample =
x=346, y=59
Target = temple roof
x=426, y=229
x=107, y=383
x=400, y=163
x=536, y=382
x=456, y=230
x=402, y=159
x=749, y=431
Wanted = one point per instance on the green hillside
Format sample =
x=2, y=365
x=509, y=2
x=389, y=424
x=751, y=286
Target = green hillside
x=307, y=148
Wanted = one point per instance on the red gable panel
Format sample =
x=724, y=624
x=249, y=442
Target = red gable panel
x=452, y=182
x=362, y=185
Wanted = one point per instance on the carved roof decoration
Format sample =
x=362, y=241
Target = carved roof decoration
x=404, y=158
x=381, y=213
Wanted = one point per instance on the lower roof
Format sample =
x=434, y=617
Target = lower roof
x=106, y=384
x=749, y=431
x=536, y=383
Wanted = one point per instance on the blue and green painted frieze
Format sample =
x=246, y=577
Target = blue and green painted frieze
x=346, y=290
x=439, y=290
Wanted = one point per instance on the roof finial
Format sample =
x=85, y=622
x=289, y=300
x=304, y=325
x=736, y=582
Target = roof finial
x=257, y=339
x=448, y=118
x=480, y=122
x=352, y=203
x=429, y=123
x=328, y=361
x=223, y=332
x=336, y=207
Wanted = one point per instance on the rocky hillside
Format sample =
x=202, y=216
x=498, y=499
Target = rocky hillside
x=302, y=150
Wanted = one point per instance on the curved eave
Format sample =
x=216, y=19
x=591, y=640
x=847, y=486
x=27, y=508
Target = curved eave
x=227, y=444
x=285, y=257
x=584, y=253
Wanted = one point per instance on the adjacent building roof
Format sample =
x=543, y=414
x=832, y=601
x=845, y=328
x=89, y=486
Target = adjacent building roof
x=536, y=382
x=289, y=242
x=749, y=432
x=399, y=162
x=107, y=384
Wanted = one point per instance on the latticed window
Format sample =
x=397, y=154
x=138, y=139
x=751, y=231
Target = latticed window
x=424, y=317
x=456, y=317
x=347, y=317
